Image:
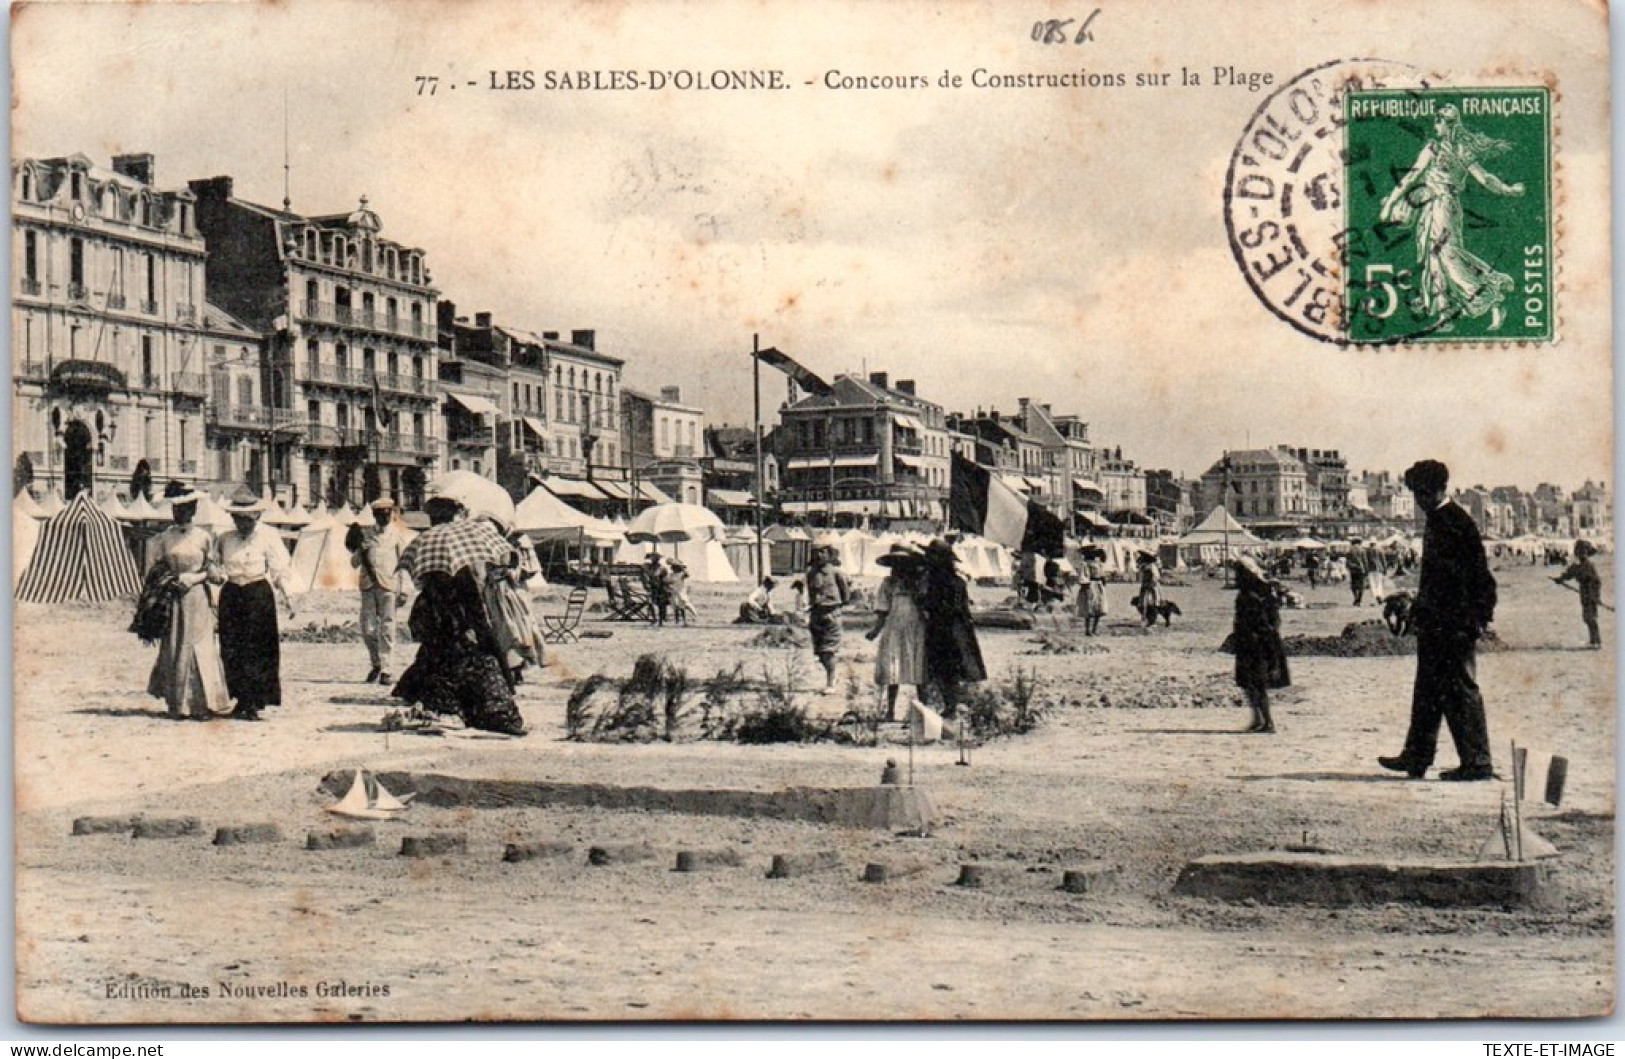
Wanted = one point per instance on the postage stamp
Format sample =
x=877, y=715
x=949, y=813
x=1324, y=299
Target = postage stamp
x=1447, y=200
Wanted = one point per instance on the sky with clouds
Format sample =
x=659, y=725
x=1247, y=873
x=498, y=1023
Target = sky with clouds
x=1062, y=244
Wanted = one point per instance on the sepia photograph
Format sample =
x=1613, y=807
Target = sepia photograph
x=550, y=511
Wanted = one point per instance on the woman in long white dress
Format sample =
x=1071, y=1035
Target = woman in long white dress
x=899, y=624
x=188, y=675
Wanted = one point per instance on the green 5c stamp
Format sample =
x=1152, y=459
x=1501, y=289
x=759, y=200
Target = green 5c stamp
x=1448, y=215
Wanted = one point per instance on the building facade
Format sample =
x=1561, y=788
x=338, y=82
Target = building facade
x=351, y=342
x=109, y=334
x=1258, y=486
x=866, y=449
x=664, y=441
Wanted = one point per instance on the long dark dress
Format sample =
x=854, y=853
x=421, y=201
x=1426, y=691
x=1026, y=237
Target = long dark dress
x=952, y=654
x=1260, y=655
x=249, y=646
x=459, y=667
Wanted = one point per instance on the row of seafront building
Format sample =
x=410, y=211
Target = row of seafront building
x=192, y=334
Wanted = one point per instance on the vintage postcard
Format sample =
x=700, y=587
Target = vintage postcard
x=689, y=510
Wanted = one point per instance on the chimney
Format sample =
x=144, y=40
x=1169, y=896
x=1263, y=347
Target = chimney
x=482, y=320
x=878, y=378
x=446, y=313
x=213, y=188
x=550, y=336
x=1046, y=408
x=584, y=339
x=136, y=167
x=906, y=386
x=674, y=394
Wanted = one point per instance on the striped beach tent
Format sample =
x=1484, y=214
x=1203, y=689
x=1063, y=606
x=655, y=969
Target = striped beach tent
x=80, y=555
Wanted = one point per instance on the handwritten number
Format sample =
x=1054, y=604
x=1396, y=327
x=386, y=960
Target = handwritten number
x=1057, y=30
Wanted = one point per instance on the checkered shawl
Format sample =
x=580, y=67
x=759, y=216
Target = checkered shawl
x=452, y=546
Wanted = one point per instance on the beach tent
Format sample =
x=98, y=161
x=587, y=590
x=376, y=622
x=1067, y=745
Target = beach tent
x=212, y=515
x=788, y=549
x=1218, y=527
x=543, y=516
x=25, y=532
x=141, y=510
x=707, y=560
x=113, y=509
x=321, y=563
x=80, y=554
x=873, y=549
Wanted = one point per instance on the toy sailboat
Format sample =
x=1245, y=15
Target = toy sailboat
x=367, y=799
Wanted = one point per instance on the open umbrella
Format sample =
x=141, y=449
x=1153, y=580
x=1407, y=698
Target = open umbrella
x=480, y=496
x=674, y=523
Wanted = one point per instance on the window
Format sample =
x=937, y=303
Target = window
x=417, y=367
x=152, y=281
x=313, y=295
x=341, y=355
x=516, y=395
x=341, y=416
x=222, y=388
x=147, y=376
x=116, y=282
x=76, y=261
x=417, y=425
x=394, y=365
x=245, y=390
x=313, y=412
x=31, y=257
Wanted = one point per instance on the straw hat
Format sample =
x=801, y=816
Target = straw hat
x=901, y=553
x=177, y=492
x=1249, y=564
x=244, y=502
x=383, y=503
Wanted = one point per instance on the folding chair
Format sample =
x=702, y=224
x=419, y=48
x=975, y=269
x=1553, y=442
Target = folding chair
x=562, y=629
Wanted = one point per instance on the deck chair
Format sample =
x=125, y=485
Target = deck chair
x=629, y=601
x=562, y=628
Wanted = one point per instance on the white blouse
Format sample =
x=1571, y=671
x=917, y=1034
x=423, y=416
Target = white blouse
x=259, y=556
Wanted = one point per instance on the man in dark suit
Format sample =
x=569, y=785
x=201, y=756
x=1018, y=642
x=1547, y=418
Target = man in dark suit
x=1455, y=603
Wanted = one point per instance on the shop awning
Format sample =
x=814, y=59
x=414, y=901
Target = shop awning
x=800, y=463
x=576, y=487
x=1084, y=485
x=909, y=461
x=615, y=490
x=654, y=494
x=1016, y=482
x=841, y=507
x=474, y=403
x=908, y=423
x=729, y=498
x=533, y=426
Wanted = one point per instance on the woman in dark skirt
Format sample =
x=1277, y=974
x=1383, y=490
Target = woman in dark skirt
x=459, y=668
x=254, y=564
x=1260, y=655
x=953, y=657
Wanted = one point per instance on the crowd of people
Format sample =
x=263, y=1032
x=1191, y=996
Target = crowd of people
x=210, y=604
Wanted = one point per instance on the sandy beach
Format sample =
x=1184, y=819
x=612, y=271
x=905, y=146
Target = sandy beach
x=1136, y=766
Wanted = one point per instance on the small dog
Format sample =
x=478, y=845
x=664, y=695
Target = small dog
x=1396, y=611
x=1164, y=610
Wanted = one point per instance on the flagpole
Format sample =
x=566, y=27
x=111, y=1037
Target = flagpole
x=761, y=492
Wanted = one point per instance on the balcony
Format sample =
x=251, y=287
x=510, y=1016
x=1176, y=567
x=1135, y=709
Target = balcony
x=256, y=418
x=363, y=320
x=30, y=286
x=189, y=384
x=31, y=370
x=116, y=301
x=409, y=444
x=185, y=313
x=327, y=436
x=335, y=375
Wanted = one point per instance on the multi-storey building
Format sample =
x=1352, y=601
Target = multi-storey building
x=1258, y=486
x=1591, y=511
x=663, y=439
x=351, y=340
x=242, y=427
x=1328, y=481
x=1002, y=446
x=1168, y=501
x=865, y=448
x=1123, y=484
x=584, y=433
x=475, y=408
x=109, y=343
x=1070, y=465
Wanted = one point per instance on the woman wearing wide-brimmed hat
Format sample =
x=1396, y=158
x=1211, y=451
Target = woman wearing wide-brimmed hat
x=953, y=656
x=1256, y=638
x=899, y=624
x=254, y=565
x=1150, y=597
x=187, y=674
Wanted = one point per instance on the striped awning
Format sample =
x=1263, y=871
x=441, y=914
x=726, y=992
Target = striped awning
x=576, y=487
x=908, y=422
x=729, y=498
x=801, y=463
x=474, y=403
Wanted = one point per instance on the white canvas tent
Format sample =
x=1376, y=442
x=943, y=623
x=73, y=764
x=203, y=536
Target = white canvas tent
x=25, y=530
x=707, y=561
x=544, y=516
x=321, y=563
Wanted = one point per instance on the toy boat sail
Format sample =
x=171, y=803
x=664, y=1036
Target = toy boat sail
x=367, y=799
